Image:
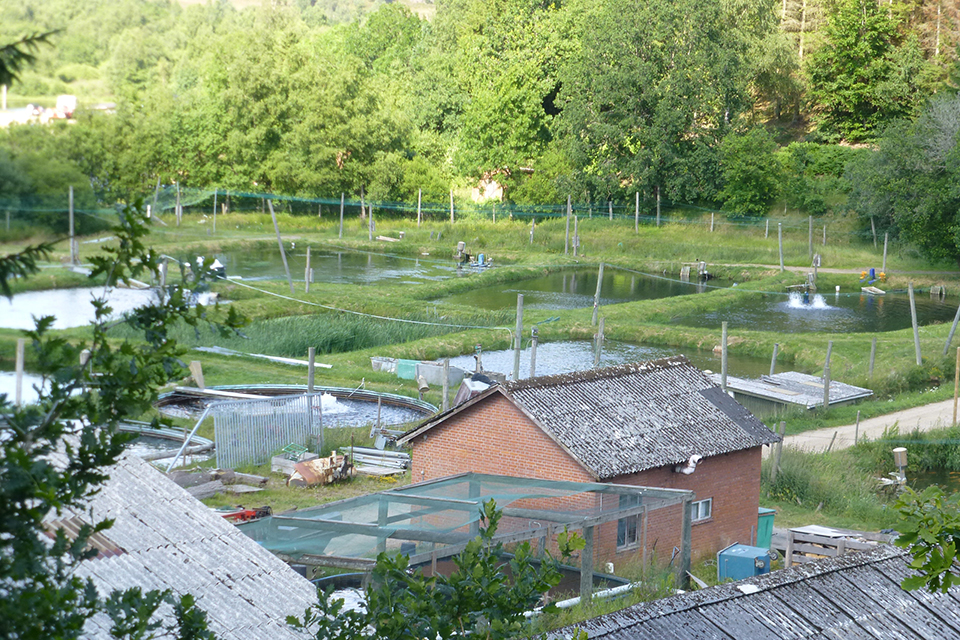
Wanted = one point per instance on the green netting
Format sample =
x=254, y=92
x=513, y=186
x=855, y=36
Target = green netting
x=443, y=515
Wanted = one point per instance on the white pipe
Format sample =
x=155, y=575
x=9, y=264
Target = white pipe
x=572, y=602
x=186, y=440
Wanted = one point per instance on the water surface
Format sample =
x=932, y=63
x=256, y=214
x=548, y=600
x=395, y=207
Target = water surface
x=72, y=307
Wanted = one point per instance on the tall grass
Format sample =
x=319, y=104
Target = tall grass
x=838, y=484
x=292, y=336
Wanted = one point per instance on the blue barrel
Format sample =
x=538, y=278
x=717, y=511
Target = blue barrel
x=873, y=274
x=480, y=259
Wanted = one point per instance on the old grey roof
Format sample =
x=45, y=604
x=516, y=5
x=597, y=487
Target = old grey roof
x=629, y=418
x=857, y=595
x=793, y=387
x=163, y=538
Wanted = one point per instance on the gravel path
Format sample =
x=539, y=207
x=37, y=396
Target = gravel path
x=924, y=418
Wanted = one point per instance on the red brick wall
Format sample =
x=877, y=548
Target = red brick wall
x=495, y=437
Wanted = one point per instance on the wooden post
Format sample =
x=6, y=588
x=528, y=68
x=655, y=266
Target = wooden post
x=636, y=214
x=494, y=213
x=956, y=386
x=856, y=429
x=576, y=235
x=773, y=360
x=420, y=213
x=445, y=385
x=566, y=241
x=953, y=330
x=658, y=206
x=586, y=566
x=832, y=440
x=341, y=215
x=534, y=338
x=810, y=238
x=319, y=212
x=826, y=389
x=788, y=556
x=363, y=205
x=18, y=368
x=610, y=205
x=873, y=356
x=196, y=370
x=306, y=273
x=723, y=356
x=73, y=240
x=311, y=367
x=518, y=338
x=533, y=227
x=826, y=361
x=596, y=296
x=215, y=193
x=451, y=206
x=886, y=237
x=913, y=319
x=824, y=235
x=379, y=410
x=873, y=229
x=163, y=277
x=686, y=543
x=780, y=242
x=779, y=452
x=283, y=254
x=598, y=347
x=370, y=225
x=179, y=212
x=711, y=221
x=766, y=233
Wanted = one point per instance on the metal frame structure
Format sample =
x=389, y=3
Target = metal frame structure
x=436, y=519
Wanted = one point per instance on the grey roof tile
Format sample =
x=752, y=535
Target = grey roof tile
x=629, y=418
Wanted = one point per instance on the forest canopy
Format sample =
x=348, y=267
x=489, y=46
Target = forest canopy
x=595, y=100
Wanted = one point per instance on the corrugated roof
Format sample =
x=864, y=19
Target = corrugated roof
x=629, y=418
x=793, y=387
x=857, y=595
x=172, y=541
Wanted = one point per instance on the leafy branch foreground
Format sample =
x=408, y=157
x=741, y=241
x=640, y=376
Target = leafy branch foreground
x=55, y=454
x=479, y=598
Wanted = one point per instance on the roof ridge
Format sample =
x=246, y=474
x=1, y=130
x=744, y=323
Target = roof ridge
x=587, y=375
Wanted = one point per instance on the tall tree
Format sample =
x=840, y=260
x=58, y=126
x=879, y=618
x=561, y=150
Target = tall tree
x=650, y=94
x=866, y=73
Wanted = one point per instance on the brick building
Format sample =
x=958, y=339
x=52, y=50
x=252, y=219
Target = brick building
x=659, y=424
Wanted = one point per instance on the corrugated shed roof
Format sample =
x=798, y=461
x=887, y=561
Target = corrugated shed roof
x=857, y=595
x=793, y=387
x=629, y=418
x=172, y=541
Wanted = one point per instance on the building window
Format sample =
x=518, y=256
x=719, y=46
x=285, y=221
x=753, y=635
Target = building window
x=628, y=529
x=701, y=510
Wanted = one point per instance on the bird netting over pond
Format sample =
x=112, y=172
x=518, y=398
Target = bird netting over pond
x=436, y=519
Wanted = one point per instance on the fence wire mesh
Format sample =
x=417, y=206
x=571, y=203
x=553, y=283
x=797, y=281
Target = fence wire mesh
x=250, y=432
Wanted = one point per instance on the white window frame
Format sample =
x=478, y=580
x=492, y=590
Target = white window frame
x=701, y=510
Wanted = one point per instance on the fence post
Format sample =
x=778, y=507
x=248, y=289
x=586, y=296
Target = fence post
x=518, y=336
x=636, y=214
x=311, y=367
x=658, y=206
x=810, y=238
x=566, y=241
x=420, y=214
x=873, y=229
x=610, y=205
x=306, y=273
x=73, y=240
x=913, y=319
x=446, y=384
x=576, y=235
x=596, y=296
x=215, y=193
x=18, y=368
x=712, y=214
x=598, y=347
x=773, y=360
x=953, y=330
x=873, y=356
x=723, y=356
x=780, y=242
x=283, y=255
x=451, y=206
x=534, y=338
x=341, y=215
x=886, y=237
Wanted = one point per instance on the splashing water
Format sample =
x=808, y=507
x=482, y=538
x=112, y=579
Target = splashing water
x=816, y=301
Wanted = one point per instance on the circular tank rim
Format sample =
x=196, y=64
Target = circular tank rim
x=338, y=392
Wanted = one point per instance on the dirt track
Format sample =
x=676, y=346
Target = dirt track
x=924, y=418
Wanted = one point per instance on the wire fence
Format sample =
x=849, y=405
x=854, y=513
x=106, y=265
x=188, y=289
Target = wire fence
x=250, y=432
x=52, y=211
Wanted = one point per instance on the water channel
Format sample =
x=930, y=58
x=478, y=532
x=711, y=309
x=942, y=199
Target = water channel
x=72, y=307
